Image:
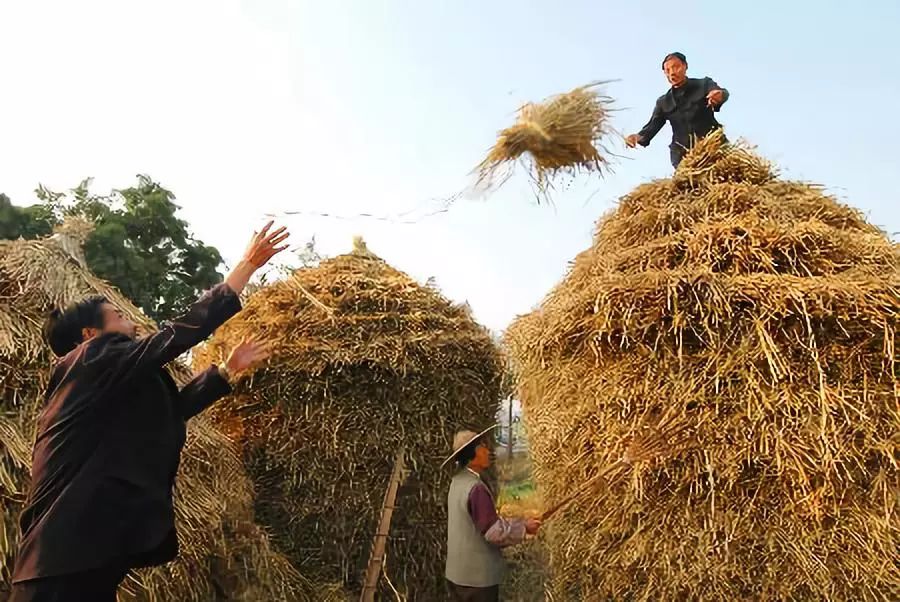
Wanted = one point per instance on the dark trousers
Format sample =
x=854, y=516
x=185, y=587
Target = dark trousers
x=91, y=586
x=461, y=593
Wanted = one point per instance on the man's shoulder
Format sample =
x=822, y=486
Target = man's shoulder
x=701, y=82
x=97, y=349
x=465, y=476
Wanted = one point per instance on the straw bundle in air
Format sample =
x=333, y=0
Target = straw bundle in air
x=560, y=135
x=224, y=555
x=757, y=318
x=365, y=361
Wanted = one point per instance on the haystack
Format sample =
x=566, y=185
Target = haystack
x=558, y=136
x=224, y=555
x=751, y=323
x=365, y=362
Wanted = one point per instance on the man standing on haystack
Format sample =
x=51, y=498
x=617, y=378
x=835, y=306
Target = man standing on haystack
x=475, y=534
x=109, y=440
x=689, y=106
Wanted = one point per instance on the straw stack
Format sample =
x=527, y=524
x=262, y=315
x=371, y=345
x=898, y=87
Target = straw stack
x=224, y=555
x=365, y=361
x=558, y=136
x=757, y=319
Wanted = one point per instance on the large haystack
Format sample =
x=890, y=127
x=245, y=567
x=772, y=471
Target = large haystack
x=756, y=319
x=365, y=361
x=224, y=555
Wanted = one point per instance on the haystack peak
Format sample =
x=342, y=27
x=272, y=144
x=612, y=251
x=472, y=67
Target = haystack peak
x=361, y=249
x=71, y=236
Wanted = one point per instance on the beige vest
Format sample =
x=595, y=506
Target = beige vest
x=471, y=560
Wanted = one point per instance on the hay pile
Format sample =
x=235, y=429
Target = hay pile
x=224, y=555
x=365, y=361
x=757, y=317
x=560, y=136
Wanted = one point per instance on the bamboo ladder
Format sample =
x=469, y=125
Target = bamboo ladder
x=379, y=543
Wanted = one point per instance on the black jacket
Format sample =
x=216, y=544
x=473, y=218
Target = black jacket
x=686, y=109
x=109, y=441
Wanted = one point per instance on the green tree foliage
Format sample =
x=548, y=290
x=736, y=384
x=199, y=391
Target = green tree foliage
x=24, y=222
x=138, y=244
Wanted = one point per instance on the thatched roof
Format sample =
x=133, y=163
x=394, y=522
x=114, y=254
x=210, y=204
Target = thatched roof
x=223, y=552
x=750, y=323
x=365, y=361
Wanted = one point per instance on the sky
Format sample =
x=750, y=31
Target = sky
x=245, y=108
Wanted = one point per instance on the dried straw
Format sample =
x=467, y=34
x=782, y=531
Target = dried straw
x=560, y=136
x=758, y=318
x=390, y=363
x=224, y=555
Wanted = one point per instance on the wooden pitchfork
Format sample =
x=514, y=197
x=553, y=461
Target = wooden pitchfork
x=653, y=444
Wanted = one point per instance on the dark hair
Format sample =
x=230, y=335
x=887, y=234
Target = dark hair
x=467, y=453
x=62, y=330
x=675, y=55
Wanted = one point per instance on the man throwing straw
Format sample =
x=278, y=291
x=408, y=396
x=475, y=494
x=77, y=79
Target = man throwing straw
x=109, y=439
x=689, y=106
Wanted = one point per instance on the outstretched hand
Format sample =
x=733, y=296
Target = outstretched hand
x=246, y=355
x=265, y=245
x=532, y=525
x=632, y=140
x=715, y=98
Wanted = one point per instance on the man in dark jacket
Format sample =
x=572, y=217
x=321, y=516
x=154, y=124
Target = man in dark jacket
x=109, y=440
x=689, y=106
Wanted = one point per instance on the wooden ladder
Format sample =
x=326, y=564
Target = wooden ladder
x=379, y=543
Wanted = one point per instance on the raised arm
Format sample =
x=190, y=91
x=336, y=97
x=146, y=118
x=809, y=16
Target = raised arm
x=214, y=383
x=214, y=308
x=123, y=355
x=204, y=389
x=716, y=96
x=650, y=129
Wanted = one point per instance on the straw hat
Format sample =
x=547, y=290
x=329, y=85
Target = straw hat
x=463, y=438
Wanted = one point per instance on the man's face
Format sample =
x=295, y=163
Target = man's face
x=482, y=459
x=114, y=321
x=675, y=70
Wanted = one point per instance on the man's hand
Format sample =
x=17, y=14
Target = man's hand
x=632, y=140
x=715, y=98
x=532, y=525
x=263, y=246
x=246, y=355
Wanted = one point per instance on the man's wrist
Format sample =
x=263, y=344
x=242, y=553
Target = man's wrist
x=225, y=373
x=238, y=278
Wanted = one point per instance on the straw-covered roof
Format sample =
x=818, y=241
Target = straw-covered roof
x=751, y=323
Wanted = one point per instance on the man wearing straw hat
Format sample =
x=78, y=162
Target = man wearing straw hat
x=109, y=439
x=475, y=534
x=689, y=106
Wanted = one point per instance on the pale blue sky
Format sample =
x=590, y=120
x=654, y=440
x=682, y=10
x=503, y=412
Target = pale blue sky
x=244, y=108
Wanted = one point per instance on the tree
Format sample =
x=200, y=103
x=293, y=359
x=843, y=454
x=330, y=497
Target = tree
x=138, y=242
x=24, y=222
